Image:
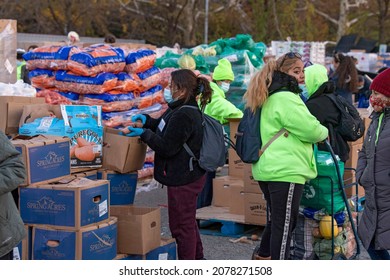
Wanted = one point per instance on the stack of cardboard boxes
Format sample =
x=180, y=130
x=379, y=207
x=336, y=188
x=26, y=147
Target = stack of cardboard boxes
x=238, y=191
x=84, y=213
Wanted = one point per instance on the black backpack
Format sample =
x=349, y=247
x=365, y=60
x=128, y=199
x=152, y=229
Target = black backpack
x=213, y=150
x=248, y=139
x=351, y=126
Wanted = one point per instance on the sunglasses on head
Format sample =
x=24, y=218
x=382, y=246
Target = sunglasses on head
x=290, y=55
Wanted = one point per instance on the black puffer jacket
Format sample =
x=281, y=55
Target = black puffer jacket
x=328, y=115
x=373, y=173
x=166, y=137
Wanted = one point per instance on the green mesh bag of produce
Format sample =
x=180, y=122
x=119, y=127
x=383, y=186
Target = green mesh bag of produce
x=317, y=193
x=169, y=59
x=242, y=42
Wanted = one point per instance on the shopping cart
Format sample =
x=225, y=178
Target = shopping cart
x=327, y=224
x=328, y=220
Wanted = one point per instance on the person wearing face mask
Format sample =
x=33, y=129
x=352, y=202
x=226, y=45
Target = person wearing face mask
x=373, y=172
x=324, y=109
x=289, y=161
x=220, y=109
x=166, y=137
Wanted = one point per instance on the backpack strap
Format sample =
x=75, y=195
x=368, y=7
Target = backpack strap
x=192, y=158
x=185, y=146
x=281, y=132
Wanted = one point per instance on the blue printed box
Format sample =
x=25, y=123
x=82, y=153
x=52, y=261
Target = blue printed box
x=166, y=251
x=97, y=242
x=47, y=158
x=68, y=206
x=122, y=186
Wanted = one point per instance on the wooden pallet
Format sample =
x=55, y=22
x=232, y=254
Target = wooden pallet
x=219, y=221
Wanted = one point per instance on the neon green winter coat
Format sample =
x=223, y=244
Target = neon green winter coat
x=288, y=159
x=220, y=108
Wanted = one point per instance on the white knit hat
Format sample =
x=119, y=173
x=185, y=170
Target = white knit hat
x=74, y=35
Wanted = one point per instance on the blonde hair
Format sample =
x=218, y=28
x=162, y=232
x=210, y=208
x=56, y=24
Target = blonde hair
x=257, y=92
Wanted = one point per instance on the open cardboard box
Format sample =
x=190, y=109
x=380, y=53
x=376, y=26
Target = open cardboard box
x=121, y=153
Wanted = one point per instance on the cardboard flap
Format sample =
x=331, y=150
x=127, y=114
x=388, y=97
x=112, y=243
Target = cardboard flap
x=36, y=111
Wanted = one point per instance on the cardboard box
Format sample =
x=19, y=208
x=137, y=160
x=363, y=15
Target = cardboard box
x=139, y=228
x=236, y=166
x=353, y=155
x=90, y=174
x=350, y=179
x=8, y=45
x=46, y=158
x=67, y=206
x=122, y=186
x=255, y=209
x=237, y=199
x=250, y=185
x=221, y=189
x=95, y=242
x=121, y=153
x=233, y=125
x=166, y=251
x=11, y=110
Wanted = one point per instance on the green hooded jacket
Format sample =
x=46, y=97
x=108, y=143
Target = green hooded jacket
x=288, y=159
x=220, y=108
x=315, y=76
x=12, y=174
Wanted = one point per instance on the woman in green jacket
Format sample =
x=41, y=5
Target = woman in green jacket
x=220, y=109
x=289, y=161
x=12, y=174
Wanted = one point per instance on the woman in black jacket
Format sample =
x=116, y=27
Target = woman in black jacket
x=323, y=108
x=166, y=137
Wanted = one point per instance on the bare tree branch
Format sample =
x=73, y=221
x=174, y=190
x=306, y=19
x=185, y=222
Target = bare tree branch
x=326, y=16
x=276, y=20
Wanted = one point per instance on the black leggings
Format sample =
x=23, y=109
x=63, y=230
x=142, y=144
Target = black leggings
x=283, y=201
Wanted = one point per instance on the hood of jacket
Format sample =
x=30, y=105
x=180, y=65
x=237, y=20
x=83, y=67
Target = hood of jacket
x=283, y=81
x=315, y=76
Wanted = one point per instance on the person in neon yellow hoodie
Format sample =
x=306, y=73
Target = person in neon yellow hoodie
x=220, y=108
x=289, y=161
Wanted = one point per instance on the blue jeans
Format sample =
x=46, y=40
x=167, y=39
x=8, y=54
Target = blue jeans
x=377, y=254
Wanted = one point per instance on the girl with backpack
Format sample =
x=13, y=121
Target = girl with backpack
x=166, y=136
x=289, y=161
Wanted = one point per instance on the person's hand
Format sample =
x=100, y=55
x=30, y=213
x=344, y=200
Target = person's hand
x=139, y=117
x=132, y=131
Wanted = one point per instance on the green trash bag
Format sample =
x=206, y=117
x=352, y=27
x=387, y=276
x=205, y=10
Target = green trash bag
x=317, y=193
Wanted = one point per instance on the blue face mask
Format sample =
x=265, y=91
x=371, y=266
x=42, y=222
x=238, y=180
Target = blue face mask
x=304, y=94
x=168, y=95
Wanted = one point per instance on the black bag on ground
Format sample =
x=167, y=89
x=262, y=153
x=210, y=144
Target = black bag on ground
x=351, y=126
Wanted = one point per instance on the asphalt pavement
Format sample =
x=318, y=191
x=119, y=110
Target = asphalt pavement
x=150, y=194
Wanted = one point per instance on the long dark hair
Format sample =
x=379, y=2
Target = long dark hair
x=193, y=85
x=346, y=72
